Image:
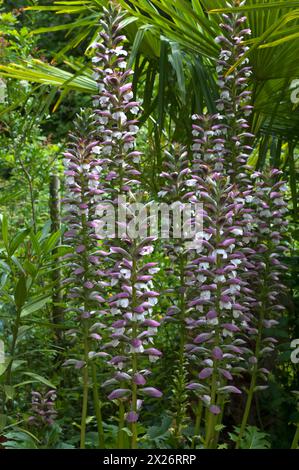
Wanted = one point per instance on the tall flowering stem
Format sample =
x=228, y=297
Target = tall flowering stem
x=175, y=192
x=259, y=233
x=82, y=193
x=235, y=109
x=270, y=210
x=133, y=296
x=234, y=103
x=218, y=311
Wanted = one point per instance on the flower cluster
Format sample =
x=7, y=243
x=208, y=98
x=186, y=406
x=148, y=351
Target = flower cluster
x=270, y=209
x=219, y=299
x=227, y=283
x=130, y=277
x=83, y=193
x=234, y=102
x=175, y=175
x=241, y=239
x=115, y=107
x=235, y=108
x=43, y=409
x=175, y=193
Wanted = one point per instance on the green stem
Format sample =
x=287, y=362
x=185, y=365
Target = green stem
x=254, y=372
x=221, y=404
x=134, y=405
x=182, y=305
x=296, y=438
x=180, y=409
x=210, y=430
x=85, y=389
x=211, y=418
x=97, y=407
x=197, y=423
x=85, y=322
x=255, y=369
x=134, y=357
x=247, y=407
x=15, y=334
x=57, y=293
x=121, y=425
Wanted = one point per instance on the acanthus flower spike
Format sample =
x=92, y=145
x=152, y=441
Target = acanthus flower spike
x=218, y=303
x=83, y=192
x=130, y=274
x=270, y=208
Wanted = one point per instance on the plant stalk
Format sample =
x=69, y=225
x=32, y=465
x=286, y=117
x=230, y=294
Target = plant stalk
x=85, y=390
x=97, y=407
x=295, y=443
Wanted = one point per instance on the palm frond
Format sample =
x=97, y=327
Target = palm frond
x=40, y=72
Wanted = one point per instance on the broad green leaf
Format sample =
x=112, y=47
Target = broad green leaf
x=35, y=304
x=136, y=45
x=40, y=379
x=46, y=230
x=21, y=439
x=39, y=72
x=35, y=243
x=59, y=9
x=17, y=240
x=280, y=41
x=162, y=81
x=176, y=59
x=91, y=21
x=51, y=242
x=20, y=292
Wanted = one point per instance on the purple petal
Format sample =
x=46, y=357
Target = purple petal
x=230, y=389
x=202, y=338
x=139, y=379
x=153, y=352
x=132, y=417
x=217, y=353
x=118, y=393
x=215, y=409
x=205, y=373
x=152, y=392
